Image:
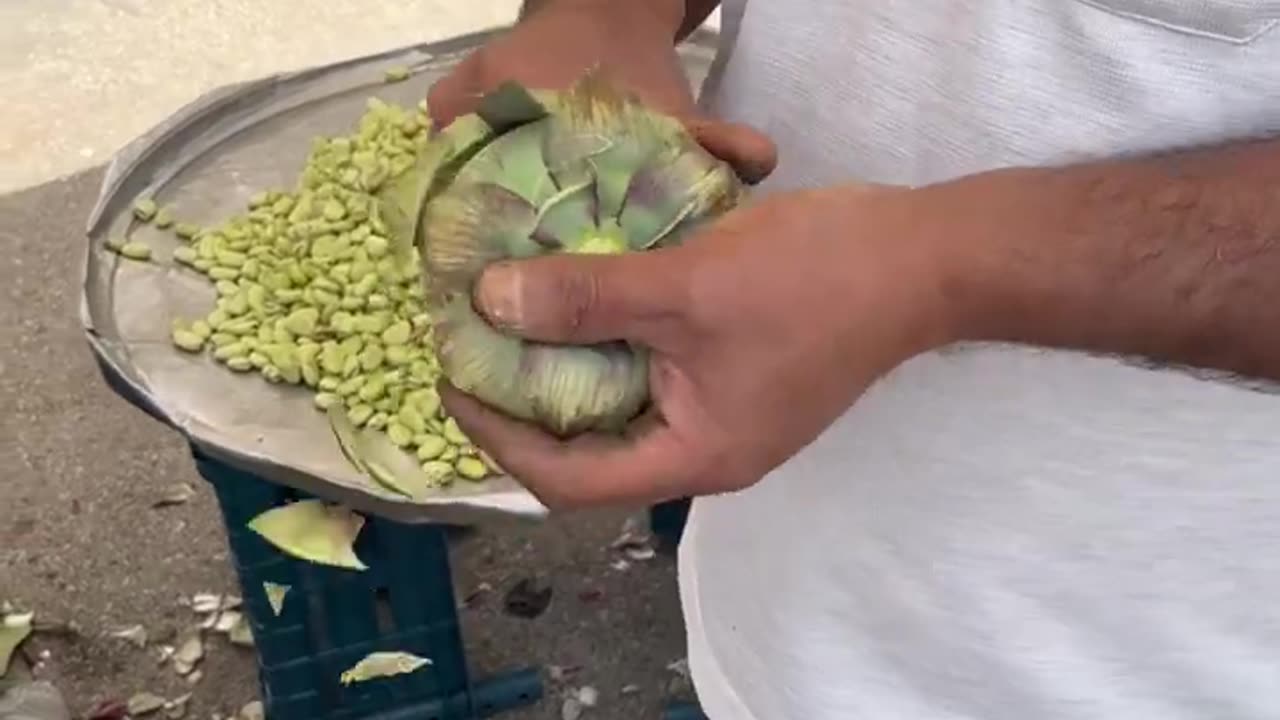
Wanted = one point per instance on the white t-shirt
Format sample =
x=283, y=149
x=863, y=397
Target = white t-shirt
x=996, y=532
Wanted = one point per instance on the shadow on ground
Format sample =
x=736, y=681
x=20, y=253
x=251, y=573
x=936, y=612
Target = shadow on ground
x=81, y=543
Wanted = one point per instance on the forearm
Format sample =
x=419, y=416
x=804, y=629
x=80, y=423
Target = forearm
x=1176, y=258
x=684, y=16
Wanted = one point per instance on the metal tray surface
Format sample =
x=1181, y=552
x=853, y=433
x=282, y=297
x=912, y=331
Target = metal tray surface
x=207, y=160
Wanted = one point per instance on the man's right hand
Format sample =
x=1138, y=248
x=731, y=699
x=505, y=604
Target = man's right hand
x=631, y=41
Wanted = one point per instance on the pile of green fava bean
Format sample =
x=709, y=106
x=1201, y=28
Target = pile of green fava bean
x=309, y=294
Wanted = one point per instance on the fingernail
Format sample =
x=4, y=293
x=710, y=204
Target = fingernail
x=499, y=294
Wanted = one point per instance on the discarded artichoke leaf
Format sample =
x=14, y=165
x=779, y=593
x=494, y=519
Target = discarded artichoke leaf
x=345, y=432
x=227, y=620
x=144, y=703
x=177, y=494
x=313, y=531
x=206, y=602
x=382, y=664
x=240, y=633
x=275, y=596
x=135, y=635
x=14, y=629
x=176, y=708
x=251, y=711
x=189, y=654
x=374, y=454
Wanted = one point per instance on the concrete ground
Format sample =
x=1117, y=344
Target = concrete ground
x=80, y=542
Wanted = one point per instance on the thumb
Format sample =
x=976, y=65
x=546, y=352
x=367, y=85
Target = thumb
x=582, y=299
x=454, y=94
x=747, y=150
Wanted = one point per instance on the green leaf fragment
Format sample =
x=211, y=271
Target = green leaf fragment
x=275, y=593
x=376, y=455
x=383, y=665
x=314, y=531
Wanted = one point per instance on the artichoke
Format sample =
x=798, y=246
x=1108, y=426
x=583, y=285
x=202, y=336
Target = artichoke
x=589, y=169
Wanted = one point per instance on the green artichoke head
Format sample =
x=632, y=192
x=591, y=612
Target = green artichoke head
x=586, y=170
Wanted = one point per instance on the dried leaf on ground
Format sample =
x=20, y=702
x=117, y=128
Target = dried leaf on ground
x=144, y=703
x=252, y=711
x=382, y=664
x=135, y=635
x=188, y=655
x=241, y=634
x=571, y=709
x=588, y=696
x=475, y=597
x=206, y=603
x=176, y=708
x=640, y=553
x=177, y=494
x=227, y=620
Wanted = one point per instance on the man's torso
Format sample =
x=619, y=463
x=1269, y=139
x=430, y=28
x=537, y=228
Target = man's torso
x=993, y=531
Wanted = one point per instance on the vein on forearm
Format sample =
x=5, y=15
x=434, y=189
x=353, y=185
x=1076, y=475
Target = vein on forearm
x=1173, y=258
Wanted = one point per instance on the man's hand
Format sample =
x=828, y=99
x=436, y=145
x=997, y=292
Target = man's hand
x=632, y=42
x=763, y=329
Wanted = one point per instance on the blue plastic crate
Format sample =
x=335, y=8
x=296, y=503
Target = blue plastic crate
x=667, y=521
x=683, y=711
x=333, y=617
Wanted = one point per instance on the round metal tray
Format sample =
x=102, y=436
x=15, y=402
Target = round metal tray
x=206, y=161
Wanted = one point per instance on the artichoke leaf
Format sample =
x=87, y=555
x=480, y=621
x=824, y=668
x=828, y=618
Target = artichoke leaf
x=275, y=593
x=313, y=531
x=345, y=433
x=567, y=217
x=381, y=665
x=14, y=629
x=374, y=455
x=478, y=359
x=572, y=389
x=472, y=226
x=662, y=194
x=515, y=162
x=400, y=201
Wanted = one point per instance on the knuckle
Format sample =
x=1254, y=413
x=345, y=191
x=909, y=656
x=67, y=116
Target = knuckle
x=579, y=295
